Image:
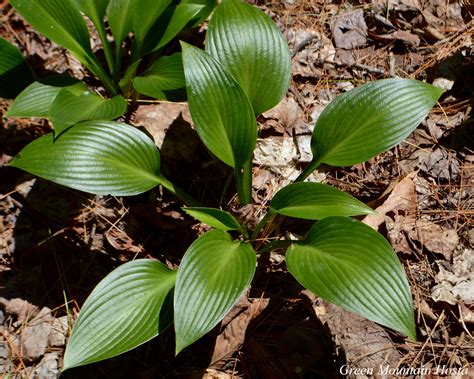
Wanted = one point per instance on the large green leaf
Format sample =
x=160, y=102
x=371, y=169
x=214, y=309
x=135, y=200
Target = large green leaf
x=351, y=265
x=68, y=109
x=252, y=48
x=314, y=201
x=15, y=74
x=99, y=157
x=370, y=119
x=36, y=99
x=120, y=17
x=60, y=21
x=128, y=307
x=221, y=112
x=214, y=217
x=213, y=274
x=179, y=17
x=94, y=9
x=145, y=15
x=166, y=73
x=209, y=6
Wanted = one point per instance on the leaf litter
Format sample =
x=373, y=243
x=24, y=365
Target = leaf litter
x=422, y=190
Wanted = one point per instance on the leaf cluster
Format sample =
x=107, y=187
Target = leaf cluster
x=228, y=85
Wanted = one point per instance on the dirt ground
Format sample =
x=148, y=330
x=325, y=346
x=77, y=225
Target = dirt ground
x=56, y=244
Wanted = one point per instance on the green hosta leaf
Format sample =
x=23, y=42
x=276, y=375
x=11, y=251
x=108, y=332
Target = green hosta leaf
x=213, y=274
x=314, y=201
x=165, y=74
x=60, y=21
x=221, y=112
x=214, y=217
x=251, y=47
x=209, y=6
x=99, y=157
x=120, y=17
x=15, y=74
x=351, y=265
x=370, y=119
x=179, y=17
x=36, y=99
x=94, y=9
x=68, y=109
x=145, y=15
x=128, y=307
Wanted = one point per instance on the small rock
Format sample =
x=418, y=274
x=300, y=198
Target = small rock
x=36, y=335
x=59, y=331
x=48, y=368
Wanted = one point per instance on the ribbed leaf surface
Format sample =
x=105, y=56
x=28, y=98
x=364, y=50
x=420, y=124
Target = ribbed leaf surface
x=252, y=48
x=351, y=265
x=221, y=111
x=213, y=274
x=15, y=74
x=68, y=109
x=314, y=201
x=128, y=307
x=165, y=74
x=214, y=217
x=99, y=157
x=35, y=100
x=370, y=119
x=60, y=21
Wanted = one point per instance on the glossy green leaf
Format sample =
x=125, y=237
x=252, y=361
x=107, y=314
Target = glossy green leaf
x=209, y=6
x=36, y=99
x=165, y=74
x=145, y=14
x=60, y=21
x=351, y=265
x=221, y=112
x=120, y=17
x=314, y=201
x=214, y=217
x=213, y=274
x=15, y=74
x=94, y=9
x=99, y=157
x=68, y=109
x=252, y=48
x=370, y=119
x=179, y=17
x=130, y=306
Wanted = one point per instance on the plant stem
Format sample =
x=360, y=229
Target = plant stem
x=242, y=184
x=247, y=179
x=106, y=45
x=275, y=245
x=261, y=224
x=96, y=68
x=178, y=192
x=118, y=61
x=314, y=164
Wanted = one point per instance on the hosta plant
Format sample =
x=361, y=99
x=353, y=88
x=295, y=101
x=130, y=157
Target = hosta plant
x=243, y=71
x=136, y=56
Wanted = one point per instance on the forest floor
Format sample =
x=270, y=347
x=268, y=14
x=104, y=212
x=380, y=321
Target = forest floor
x=56, y=244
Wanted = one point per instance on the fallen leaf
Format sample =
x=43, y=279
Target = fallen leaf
x=349, y=30
x=236, y=322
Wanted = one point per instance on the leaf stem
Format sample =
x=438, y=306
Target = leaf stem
x=118, y=61
x=314, y=164
x=178, y=192
x=106, y=45
x=95, y=67
x=244, y=188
